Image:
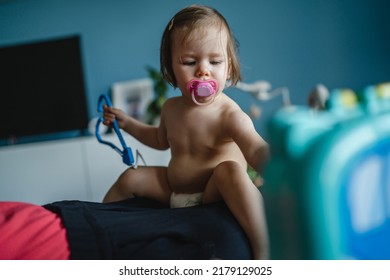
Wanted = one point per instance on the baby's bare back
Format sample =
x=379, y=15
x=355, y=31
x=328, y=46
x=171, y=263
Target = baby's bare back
x=198, y=142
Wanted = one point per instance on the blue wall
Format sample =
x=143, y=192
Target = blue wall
x=289, y=43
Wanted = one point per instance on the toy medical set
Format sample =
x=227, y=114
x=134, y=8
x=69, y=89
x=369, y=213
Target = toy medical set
x=126, y=152
x=327, y=186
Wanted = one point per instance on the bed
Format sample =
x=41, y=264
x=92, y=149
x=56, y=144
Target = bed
x=137, y=228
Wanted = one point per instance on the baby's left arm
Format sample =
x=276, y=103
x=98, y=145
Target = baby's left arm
x=251, y=144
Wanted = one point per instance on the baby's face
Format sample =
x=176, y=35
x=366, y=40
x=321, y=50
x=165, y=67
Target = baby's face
x=203, y=55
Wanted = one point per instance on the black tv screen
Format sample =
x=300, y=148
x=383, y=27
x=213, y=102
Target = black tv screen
x=42, y=88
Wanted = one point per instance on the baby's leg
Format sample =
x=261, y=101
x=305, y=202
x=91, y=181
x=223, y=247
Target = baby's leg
x=150, y=182
x=231, y=183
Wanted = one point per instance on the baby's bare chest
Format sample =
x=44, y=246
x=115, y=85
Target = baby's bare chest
x=196, y=130
x=195, y=135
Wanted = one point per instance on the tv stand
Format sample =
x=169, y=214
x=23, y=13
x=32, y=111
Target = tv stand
x=71, y=169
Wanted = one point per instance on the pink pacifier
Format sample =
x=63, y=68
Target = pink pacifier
x=201, y=88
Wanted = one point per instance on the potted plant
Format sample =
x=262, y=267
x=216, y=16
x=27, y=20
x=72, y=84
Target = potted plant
x=160, y=95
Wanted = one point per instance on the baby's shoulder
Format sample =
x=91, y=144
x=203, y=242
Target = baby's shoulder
x=170, y=104
x=172, y=100
x=233, y=115
x=231, y=108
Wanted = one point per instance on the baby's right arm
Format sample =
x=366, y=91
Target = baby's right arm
x=149, y=135
x=109, y=114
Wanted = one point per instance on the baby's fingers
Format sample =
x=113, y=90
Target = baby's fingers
x=108, y=118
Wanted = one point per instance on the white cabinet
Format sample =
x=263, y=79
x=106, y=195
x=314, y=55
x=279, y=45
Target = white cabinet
x=72, y=169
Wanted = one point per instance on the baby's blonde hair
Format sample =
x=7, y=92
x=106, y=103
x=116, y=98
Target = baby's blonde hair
x=191, y=18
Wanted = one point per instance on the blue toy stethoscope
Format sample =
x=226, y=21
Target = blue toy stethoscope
x=126, y=153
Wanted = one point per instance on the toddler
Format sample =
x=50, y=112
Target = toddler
x=211, y=139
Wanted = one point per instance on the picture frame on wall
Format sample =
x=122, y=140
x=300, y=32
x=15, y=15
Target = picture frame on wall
x=133, y=97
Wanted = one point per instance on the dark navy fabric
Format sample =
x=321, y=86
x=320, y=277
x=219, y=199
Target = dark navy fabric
x=144, y=229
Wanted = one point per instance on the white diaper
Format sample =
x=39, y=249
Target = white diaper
x=179, y=200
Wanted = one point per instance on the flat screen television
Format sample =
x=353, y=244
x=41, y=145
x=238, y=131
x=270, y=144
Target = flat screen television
x=42, y=89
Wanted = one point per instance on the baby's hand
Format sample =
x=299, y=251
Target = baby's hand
x=110, y=114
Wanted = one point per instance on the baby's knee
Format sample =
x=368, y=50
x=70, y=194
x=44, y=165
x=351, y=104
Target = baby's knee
x=125, y=180
x=228, y=169
x=126, y=175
